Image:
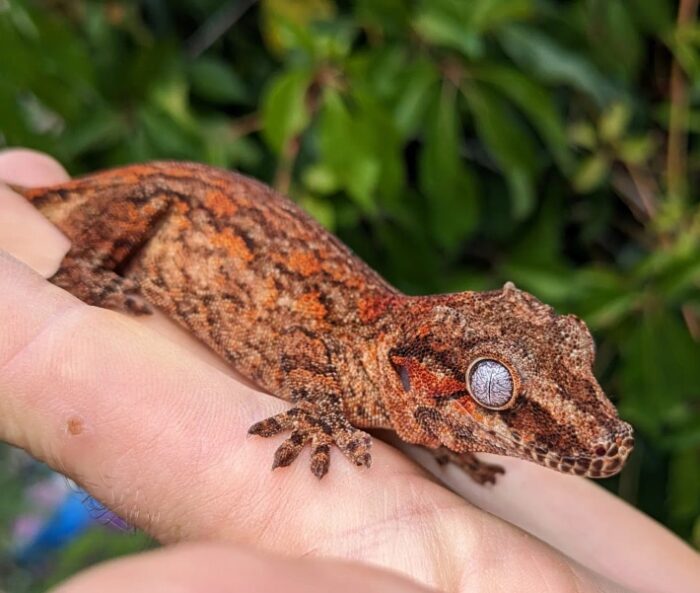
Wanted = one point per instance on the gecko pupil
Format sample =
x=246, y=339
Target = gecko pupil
x=490, y=383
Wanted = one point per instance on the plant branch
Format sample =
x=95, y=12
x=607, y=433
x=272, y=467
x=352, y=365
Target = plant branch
x=216, y=26
x=677, y=155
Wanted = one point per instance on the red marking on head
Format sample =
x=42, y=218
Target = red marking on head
x=424, y=380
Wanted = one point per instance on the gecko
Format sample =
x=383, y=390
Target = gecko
x=294, y=310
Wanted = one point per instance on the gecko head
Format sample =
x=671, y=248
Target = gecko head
x=501, y=372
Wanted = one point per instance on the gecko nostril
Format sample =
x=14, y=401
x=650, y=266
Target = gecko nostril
x=600, y=450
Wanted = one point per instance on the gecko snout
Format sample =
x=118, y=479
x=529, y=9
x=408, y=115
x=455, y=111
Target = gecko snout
x=609, y=456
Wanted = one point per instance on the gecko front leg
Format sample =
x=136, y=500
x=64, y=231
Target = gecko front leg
x=319, y=421
x=480, y=471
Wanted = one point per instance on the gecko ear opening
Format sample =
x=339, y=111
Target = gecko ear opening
x=405, y=378
x=491, y=383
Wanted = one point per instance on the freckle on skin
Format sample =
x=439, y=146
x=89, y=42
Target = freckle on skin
x=75, y=425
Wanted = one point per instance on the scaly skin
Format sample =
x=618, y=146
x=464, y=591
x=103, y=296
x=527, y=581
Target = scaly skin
x=291, y=308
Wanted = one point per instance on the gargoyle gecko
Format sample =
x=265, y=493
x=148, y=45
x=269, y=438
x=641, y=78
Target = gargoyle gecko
x=294, y=310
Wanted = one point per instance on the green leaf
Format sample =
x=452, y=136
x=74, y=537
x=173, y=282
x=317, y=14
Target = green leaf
x=637, y=149
x=167, y=137
x=602, y=296
x=551, y=284
x=613, y=121
x=487, y=15
x=461, y=25
x=441, y=29
x=414, y=96
x=509, y=144
x=284, y=110
x=320, y=179
x=591, y=173
x=583, y=134
x=684, y=484
x=320, y=209
x=445, y=179
x=535, y=102
x=537, y=53
x=216, y=81
x=98, y=130
x=285, y=24
x=659, y=368
x=348, y=152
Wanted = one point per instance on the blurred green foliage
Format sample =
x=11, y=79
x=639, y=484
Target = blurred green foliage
x=454, y=145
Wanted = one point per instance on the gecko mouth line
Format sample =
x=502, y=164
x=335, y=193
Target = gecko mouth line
x=607, y=461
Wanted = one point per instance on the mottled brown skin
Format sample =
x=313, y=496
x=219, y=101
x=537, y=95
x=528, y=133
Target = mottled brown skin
x=291, y=308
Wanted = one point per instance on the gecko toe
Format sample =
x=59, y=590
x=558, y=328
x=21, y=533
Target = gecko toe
x=320, y=460
x=321, y=431
x=266, y=428
x=289, y=450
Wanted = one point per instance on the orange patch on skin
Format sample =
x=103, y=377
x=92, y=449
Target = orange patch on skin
x=270, y=292
x=233, y=244
x=219, y=203
x=355, y=282
x=304, y=263
x=181, y=221
x=310, y=305
x=182, y=207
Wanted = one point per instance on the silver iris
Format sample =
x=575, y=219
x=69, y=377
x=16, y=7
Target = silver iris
x=490, y=383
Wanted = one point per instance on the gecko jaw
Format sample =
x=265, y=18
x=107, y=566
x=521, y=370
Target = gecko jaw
x=605, y=460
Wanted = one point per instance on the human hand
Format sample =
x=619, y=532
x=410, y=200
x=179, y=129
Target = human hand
x=150, y=425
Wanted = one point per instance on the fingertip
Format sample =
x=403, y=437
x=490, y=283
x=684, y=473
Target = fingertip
x=24, y=166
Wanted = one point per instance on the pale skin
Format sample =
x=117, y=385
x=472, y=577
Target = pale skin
x=142, y=416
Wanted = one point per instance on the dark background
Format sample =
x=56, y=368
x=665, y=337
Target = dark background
x=454, y=145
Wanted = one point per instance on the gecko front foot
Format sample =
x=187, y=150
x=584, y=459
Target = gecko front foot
x=319, y=428
x=480, y=471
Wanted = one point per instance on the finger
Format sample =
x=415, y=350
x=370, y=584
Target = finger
x=23, y=231
x=159, y=437
x=220, y=567
x=553, y=506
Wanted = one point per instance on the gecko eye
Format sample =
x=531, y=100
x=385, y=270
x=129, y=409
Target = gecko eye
x=490, y=383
